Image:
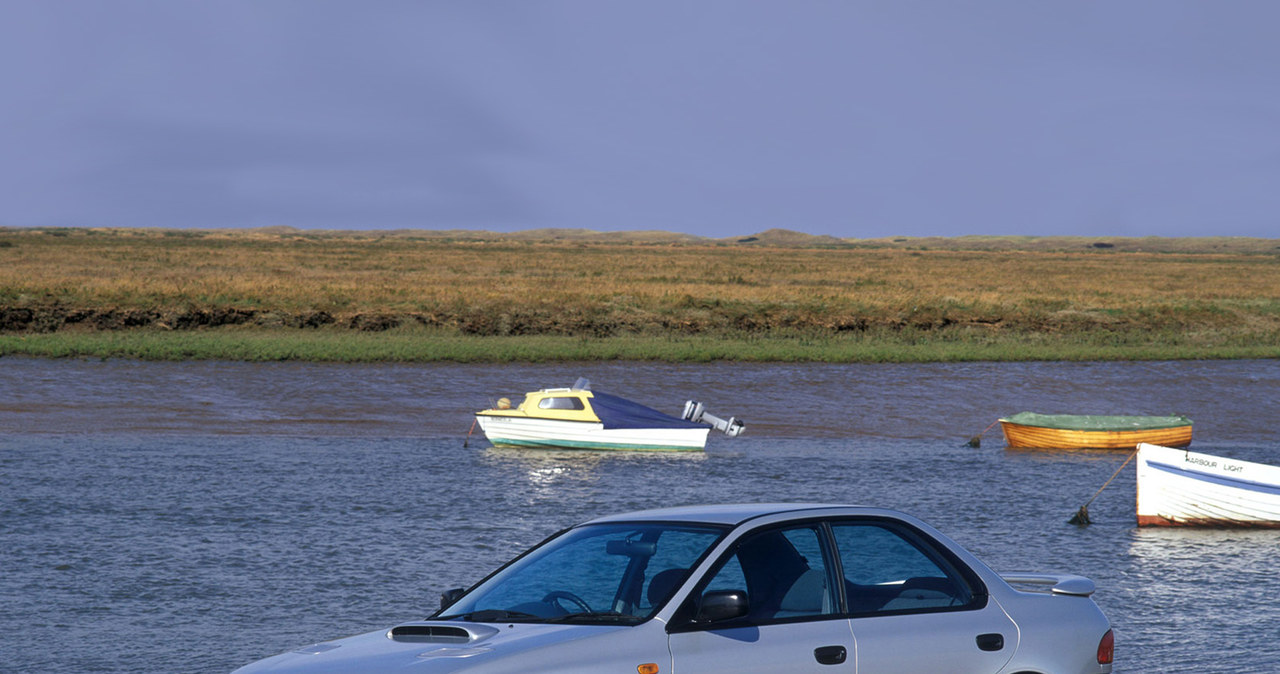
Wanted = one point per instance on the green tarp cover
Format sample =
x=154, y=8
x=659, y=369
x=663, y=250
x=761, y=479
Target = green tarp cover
x=1091, y=422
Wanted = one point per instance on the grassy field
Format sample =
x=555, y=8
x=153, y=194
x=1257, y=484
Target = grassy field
x=422, y=296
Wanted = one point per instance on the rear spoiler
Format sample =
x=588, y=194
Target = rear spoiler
x=1056, y=583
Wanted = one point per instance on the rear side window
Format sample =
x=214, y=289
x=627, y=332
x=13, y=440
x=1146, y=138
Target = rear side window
x=890, y=570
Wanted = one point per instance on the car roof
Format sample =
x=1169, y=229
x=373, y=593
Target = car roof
x=731, y=513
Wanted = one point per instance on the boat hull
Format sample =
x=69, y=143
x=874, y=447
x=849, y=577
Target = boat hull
x=508, y=431
x=1021, y=435
x=1182, y=488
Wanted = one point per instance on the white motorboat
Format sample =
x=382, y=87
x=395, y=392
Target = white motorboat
x=579, y=418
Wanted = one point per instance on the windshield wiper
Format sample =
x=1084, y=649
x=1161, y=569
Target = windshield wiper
x=601, y=616
x=490, y=615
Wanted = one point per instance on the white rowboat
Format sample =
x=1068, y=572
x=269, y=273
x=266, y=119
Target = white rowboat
x=1177, y=487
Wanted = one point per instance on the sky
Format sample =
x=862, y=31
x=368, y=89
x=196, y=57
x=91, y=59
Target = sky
x=850, y=118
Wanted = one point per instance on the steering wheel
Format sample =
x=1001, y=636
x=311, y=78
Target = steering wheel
x=555, y=596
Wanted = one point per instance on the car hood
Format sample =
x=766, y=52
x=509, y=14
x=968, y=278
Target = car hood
x=435, y=647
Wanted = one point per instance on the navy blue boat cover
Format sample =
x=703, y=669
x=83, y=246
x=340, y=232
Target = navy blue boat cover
x=617, y=412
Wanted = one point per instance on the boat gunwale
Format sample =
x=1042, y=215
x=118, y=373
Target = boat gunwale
x=1214, y=478
x=1063, y=422
x=521, y=416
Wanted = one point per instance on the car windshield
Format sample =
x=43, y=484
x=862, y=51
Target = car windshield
x=602, y=573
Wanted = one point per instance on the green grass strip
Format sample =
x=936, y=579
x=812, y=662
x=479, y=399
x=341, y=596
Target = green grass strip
x=416, y=345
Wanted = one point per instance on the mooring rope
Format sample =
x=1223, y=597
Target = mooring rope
x=1082, y=515
x=468, y=438
x=976, y=441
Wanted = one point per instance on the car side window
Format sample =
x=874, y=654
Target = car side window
x=783, y=573
x=729, y=577
x=675, y=554
x=890, y=570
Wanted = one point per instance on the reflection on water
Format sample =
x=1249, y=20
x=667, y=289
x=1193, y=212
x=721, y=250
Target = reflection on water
x=244, y=509
x=570, y=474
x=1204, y=550
x=1213, y=588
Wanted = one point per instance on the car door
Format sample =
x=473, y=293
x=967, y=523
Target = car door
x=791, y=620
x=914, y=607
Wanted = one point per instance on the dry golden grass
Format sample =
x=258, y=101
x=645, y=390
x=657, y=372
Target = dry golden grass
x=60, y=279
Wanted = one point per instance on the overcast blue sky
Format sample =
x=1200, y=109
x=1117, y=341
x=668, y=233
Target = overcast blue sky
x=853, y=118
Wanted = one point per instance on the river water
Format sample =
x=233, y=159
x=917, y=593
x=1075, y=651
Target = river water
x=192, y=517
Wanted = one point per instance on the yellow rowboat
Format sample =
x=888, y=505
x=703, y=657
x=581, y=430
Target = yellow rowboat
x=1080, y=431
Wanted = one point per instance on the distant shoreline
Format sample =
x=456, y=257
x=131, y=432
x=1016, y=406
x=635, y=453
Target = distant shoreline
x=778, y=238
x=423, y=296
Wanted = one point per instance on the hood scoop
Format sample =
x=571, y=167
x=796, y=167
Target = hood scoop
x=440, y=633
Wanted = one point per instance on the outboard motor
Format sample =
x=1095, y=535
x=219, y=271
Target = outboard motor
x=694, y=411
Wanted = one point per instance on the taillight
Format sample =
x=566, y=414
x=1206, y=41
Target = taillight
x=1107, y=648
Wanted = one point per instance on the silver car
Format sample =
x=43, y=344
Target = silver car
x=740, y=588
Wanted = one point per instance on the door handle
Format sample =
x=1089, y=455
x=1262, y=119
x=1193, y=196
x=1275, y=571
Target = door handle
x=991, y=642
x=830, y=655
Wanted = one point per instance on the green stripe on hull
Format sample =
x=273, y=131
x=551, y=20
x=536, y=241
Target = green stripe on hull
x=596, y=446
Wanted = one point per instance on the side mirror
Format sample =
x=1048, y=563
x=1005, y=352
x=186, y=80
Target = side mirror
x=720, y=605
x=451, y=596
